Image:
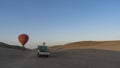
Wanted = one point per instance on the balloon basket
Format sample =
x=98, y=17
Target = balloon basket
x=24, y=48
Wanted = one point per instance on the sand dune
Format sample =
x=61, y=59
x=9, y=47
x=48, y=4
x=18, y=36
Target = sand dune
x=105, y=45
x=4, y=45
x=89, y=54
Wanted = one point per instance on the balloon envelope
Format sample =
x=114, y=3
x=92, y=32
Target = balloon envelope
x=23, y=38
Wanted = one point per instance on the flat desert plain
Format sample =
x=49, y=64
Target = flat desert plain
x=86, y=54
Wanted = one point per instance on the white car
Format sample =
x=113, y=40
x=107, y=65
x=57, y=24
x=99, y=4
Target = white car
x=43, y=51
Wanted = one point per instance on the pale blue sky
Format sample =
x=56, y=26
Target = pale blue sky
x=59, y=21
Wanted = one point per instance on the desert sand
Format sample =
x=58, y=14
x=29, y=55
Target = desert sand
x=86, y=54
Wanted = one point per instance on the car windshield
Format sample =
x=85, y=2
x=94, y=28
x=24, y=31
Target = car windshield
x=42, y=48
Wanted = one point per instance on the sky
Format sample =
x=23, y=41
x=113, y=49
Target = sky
x=59, y=21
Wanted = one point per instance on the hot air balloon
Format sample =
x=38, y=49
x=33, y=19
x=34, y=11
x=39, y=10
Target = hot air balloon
x=23, y=38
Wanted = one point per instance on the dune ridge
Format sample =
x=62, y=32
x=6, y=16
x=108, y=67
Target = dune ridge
x=106, y=45
x=5, y=45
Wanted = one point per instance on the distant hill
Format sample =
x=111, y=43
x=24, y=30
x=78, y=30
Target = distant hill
x=4, y=45
x=106, y=45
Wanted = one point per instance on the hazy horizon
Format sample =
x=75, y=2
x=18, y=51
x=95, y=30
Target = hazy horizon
x=59, y=21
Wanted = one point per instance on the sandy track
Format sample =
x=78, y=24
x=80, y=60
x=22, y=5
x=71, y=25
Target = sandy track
x=78, y=58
